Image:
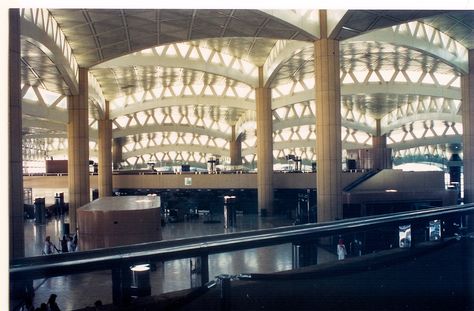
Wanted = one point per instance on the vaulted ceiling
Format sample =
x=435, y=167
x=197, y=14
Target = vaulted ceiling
x=177, y=79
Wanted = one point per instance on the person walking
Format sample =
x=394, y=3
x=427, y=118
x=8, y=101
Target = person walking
x=341, y=250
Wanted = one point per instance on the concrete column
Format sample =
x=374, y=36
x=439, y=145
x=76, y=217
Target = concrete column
x=117, y=152
x=105, y=154
x=78, y=148
x=328, y=126
x=467, y=89
x=235, y=149
x=382, y=156
x=15, y=165
x=264, y=146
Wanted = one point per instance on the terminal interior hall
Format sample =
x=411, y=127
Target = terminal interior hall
x=131, y=126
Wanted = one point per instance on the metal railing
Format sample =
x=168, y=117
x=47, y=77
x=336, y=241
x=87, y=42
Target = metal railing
x=119, y=259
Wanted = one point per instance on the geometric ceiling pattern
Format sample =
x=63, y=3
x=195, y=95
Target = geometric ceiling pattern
x=177, y=81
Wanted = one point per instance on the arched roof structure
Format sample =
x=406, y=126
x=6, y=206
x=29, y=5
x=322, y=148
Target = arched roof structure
x=177, y=80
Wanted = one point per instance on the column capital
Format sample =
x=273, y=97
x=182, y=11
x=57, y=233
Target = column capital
x=323, y=24
x=260, y=77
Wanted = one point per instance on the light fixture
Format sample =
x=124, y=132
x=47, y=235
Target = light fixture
x=140, y=268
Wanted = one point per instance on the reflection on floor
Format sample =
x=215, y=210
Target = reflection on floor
x=81, y=290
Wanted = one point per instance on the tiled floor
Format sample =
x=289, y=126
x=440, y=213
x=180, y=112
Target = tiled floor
x=77, y=291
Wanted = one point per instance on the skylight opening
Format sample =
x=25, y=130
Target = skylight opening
x=224, y=127
x=251, y=95
x=400, y=77
x=429, y=133
x=438, y=127
x=456, y=83
x=299, y=108
x=348, y=79
x=216, y=59
x=298, y=88
x=373, y=78
x=428, y=79
x=249, y=158
x=304, y=131
x=138, y=96
x=198, y=88
x=227, y=59
x=309, y=83
x=160, y=49
x=420, y=34
x=281, y=112
x=350, y=138
x=286, y=134
x=183, y=49
x=429, y=31
x=418, y=130
x=176, y=114
x=242, y=91
x=412, y=27
x=360, y=75
x=442, y=78
x=171, y=51
x=48, y=97
x=361, y=137
x=206, y=53
x=188, y=138
x=444, y=39
x=62, y=103
x=194, y=53
x=285, y=89
x=146, y=51
x=122, y=121
x=220, y=142
x=414, y=76
x=141, y=117
x=30, y=94
x=219, y=89
x=397, y=135
x=149, y=96
x=177, y=89
x=248, y=67
x=251, y=141
x=203, y=140
x=168, y=93
x=230, y=92
x=157, y=92
x=387, y=74
x=208, y=91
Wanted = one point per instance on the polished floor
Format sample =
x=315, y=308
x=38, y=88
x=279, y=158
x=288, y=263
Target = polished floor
x=81, y=290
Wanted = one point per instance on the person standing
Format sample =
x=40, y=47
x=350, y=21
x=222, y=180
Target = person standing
x=28, y=306
x=53, y=306
x=63, y=242
x=49, y=246
x=70, y=245
x=356, y=251
x=341, y=250
x=74, y=242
